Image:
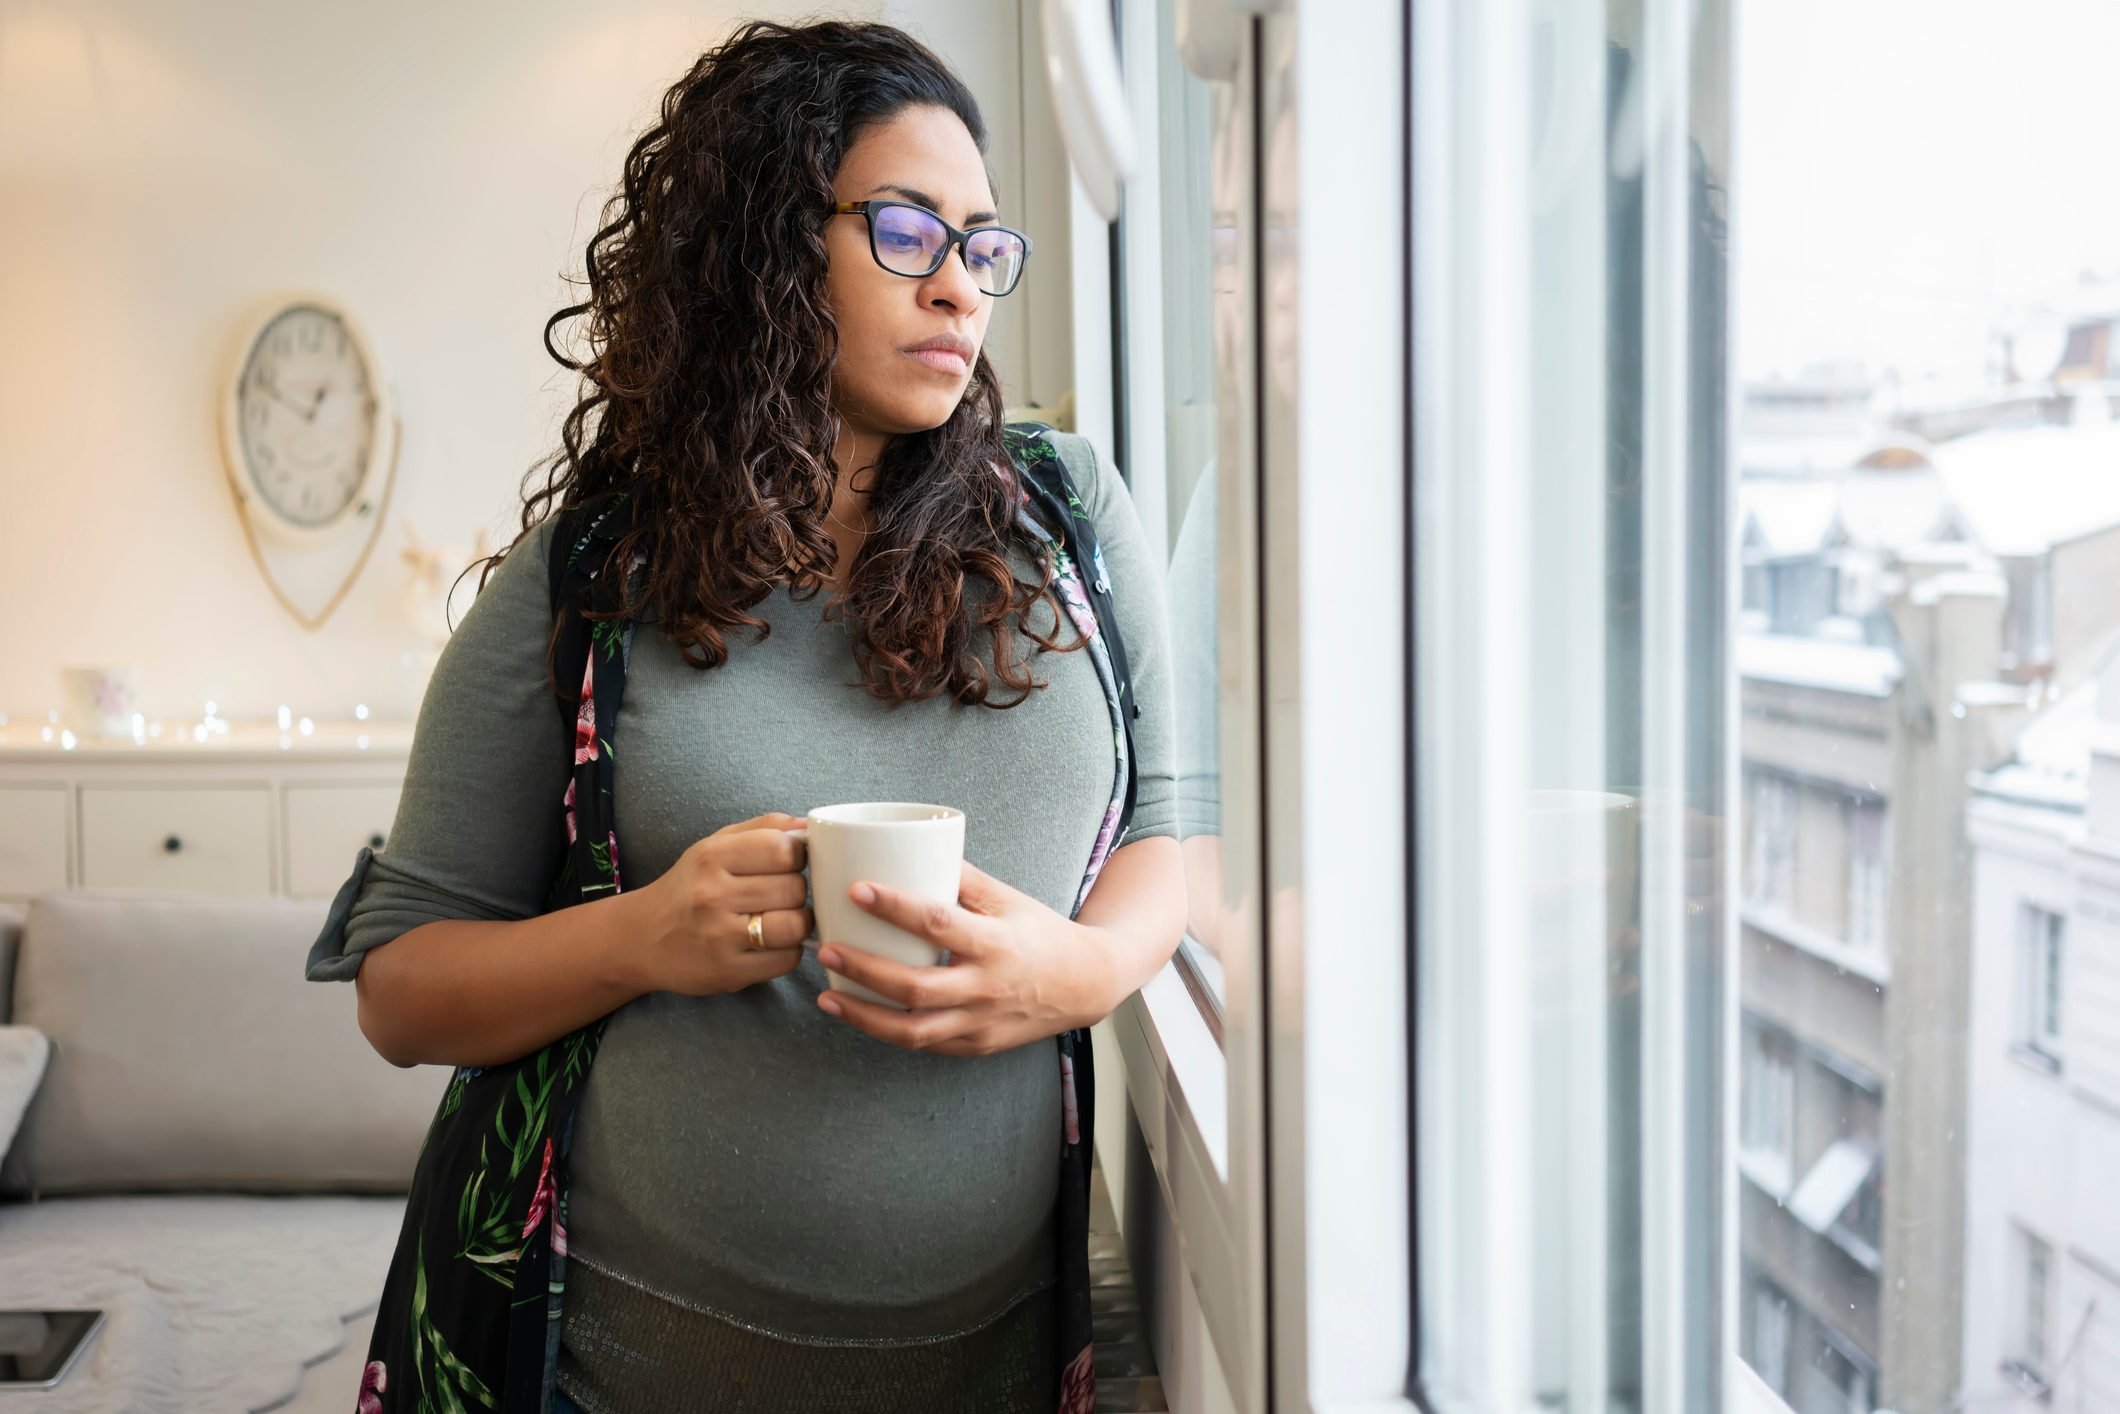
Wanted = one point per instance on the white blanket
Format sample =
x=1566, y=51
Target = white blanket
x=212, y=1302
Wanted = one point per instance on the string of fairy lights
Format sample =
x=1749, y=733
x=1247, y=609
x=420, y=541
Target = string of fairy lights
x=209, y=728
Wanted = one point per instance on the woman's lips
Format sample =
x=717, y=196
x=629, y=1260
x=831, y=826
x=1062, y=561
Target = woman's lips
x=941, y=360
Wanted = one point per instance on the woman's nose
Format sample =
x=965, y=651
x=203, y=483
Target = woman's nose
x=952, y=282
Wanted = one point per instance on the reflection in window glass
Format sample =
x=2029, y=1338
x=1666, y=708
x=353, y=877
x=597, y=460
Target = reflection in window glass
x=1196, y=285
x=1929, y=531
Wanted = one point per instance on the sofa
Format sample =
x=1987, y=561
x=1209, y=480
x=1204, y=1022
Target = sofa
x=212, y=1154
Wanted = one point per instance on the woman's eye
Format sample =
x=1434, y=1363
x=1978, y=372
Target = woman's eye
x=899, y=240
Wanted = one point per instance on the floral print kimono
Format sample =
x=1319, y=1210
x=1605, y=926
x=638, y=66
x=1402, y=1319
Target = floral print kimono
x=470, y=1312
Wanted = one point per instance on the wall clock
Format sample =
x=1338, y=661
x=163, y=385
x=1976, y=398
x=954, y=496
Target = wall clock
x=309, y=438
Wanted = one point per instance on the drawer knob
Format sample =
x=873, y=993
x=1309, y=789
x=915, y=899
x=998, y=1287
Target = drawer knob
x=375, y=841
x=172, y=844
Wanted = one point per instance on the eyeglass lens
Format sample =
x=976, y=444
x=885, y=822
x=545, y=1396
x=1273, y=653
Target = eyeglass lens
x=910, y=241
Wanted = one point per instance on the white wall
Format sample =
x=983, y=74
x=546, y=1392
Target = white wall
x=2041, y=1149
x=164, y=164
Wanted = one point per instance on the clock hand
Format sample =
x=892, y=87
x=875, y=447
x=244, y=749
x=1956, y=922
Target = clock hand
x=317, y=402
x=272, y=390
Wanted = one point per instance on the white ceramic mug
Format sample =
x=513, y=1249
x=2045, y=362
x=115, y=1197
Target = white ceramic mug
x=918, y=849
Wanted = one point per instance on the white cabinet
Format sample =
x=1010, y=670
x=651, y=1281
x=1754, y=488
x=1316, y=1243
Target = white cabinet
x=210, y=839
x=327, y=825
x=239, y=815
x=33, y=835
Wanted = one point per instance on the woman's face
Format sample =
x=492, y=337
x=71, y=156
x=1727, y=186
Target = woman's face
x=924, y=156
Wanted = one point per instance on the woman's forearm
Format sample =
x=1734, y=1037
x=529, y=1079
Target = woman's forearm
x=1137, y=906
x=464, y=992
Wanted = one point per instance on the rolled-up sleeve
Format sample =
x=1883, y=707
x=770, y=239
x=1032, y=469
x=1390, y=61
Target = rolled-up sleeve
x=1136, y=570
x=479, y=824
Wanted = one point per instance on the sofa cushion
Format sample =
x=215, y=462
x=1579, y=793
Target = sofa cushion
x=189, y=1053
x=23, y=1054
x=10, y=929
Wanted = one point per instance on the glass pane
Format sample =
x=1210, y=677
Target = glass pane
x=1203, y=312
x=1572, y=758
x=1930, y=539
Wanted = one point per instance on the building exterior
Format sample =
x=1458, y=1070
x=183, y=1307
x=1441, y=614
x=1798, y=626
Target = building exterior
x=2042, y=1233
x=1904, y=614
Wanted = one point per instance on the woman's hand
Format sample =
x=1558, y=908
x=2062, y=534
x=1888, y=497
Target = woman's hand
x=1018, y=972
x=694, y=920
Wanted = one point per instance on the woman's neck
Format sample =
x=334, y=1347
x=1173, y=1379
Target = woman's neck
x=856, y=455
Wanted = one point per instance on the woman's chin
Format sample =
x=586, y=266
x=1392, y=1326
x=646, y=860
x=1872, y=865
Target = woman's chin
x=909, y=415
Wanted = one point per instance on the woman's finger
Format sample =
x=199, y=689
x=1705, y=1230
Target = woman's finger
x=943, y=924
x=763, y=851
x=914, y=1030
x=748, y=892
x=922, y=988
x=779, y=929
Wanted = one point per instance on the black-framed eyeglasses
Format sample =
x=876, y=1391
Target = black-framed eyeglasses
x=913, y=241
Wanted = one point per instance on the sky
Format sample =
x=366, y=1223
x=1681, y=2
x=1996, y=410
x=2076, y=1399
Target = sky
x=1905, y=170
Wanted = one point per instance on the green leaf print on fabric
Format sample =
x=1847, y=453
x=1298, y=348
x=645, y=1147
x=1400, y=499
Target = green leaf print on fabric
x=487, y=1236
x=447, y=1385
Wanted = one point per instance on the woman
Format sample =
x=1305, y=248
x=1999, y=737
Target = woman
x=781, y=1197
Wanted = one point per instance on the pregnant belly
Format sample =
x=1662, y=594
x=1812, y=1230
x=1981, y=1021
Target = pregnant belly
x=752, y=1156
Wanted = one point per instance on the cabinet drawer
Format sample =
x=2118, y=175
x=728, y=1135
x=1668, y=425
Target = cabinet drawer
x=326, y=828
x=209, y=841
x=32, y=839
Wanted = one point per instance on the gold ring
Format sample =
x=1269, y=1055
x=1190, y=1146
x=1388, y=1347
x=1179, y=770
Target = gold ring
x=757, y=929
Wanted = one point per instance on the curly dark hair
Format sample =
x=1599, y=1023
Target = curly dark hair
x=707, y=389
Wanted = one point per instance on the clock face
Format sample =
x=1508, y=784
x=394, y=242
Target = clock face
x=308, y=416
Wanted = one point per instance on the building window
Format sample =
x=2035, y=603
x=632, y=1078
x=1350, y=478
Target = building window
x=2028, y=625
x=1769, y=1106
x=1800, y=592
x=1868, y=865
x=2042, y=933
x=1841, y=1194
x=2031, y=1345
x=1773, y=852
x=1773, y=1321
x=1838, y=1383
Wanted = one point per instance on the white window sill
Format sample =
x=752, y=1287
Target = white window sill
x=2036, y=1060
x=1175, y=1072
x=1778, y=923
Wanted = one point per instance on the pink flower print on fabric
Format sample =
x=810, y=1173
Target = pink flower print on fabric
x=1070, y=1110
x=374, y=1380
x=1078, y=1383
x=541, y=1200
x=612, y=836
x=1106, y=834
x=1069, y=584
x=585, y=719
x=570, y=810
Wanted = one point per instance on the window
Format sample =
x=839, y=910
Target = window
x=1773, y=1322
x=2041, y=935
x=1799, y=593
x=1768, y=1103
x=1771, y=875
x=1574, y=820
x=1868, y=873
x=1835, y=1382
x=2030, y=1349
x=2028, y=629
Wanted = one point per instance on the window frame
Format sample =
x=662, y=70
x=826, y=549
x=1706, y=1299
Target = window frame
x=2042, y=953
x=1335, y=1212
x=1193, y=1073
x=2030, y=1370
